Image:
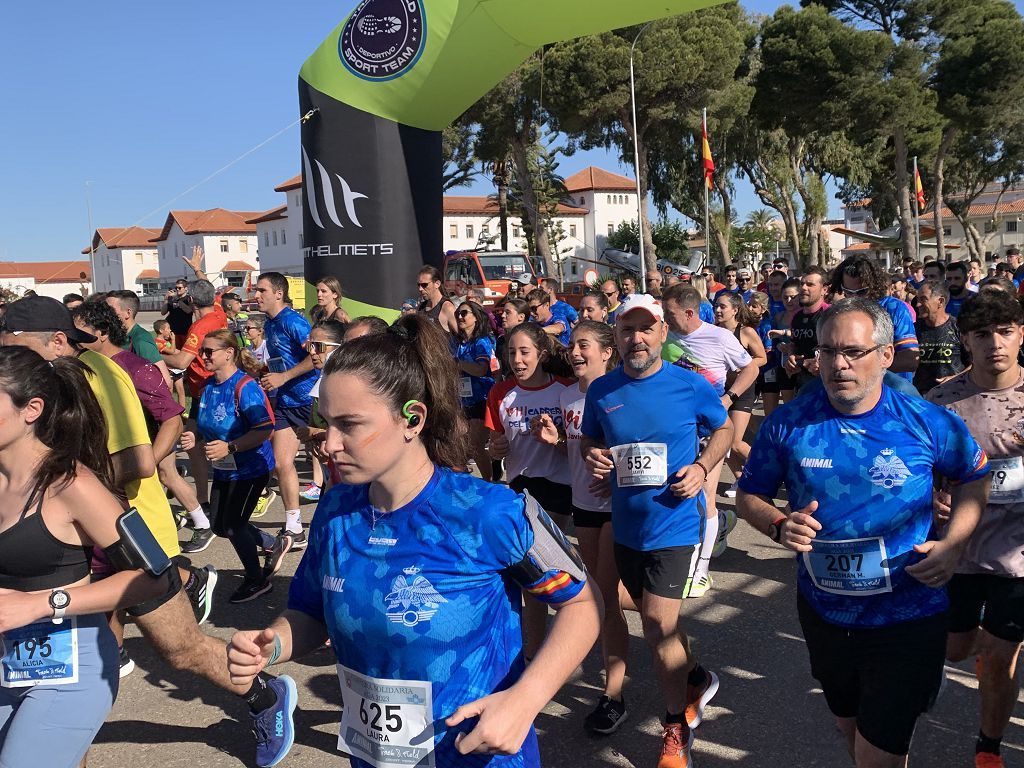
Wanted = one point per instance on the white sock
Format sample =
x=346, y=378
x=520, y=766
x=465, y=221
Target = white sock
x=293, y=521
x=707, y=545
x=266, y=539
x=199, y=518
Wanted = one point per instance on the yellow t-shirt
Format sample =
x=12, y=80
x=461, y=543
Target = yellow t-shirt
x=126, y=428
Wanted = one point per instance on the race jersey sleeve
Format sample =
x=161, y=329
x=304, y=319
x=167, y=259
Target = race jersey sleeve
x=958, y=455
x=253, y=405
x=492, y=415
x=765, y=469
x=903, y=333
x=521, y=540
x=482, y=350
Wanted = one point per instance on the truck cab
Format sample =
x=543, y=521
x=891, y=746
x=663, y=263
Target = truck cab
x=490, y=271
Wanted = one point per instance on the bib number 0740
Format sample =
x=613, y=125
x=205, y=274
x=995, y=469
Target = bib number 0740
x=371, y=713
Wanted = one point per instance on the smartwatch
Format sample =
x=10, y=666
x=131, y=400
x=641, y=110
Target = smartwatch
x=732, y=396
x=232, y=449
x=775, y=529
x=59, y=601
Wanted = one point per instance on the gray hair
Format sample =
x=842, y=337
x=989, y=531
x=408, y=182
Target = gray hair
x=937, y=288
x=880, y=320
x=202, y=293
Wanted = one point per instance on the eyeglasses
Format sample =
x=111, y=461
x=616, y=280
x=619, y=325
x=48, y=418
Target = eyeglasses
x=743, y=280
x=208, y=351
x=423, y=285
x=534, y=307
x=319, y=347
x=252, y=328
x=854, y=291
x=463, y=313
x=850, y=354
x=609, y=293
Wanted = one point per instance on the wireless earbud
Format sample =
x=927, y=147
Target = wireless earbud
x=413, y=418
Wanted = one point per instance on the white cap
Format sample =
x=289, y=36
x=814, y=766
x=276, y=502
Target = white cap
x=526, y=278
x=744, y=272
x=643, y=301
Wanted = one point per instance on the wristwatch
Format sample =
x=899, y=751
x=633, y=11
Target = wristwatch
x=732, y=395
x=232, y=448
x=59, y=601
x=775, y=529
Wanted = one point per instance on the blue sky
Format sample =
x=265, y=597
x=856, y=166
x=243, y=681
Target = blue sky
x=143, y=100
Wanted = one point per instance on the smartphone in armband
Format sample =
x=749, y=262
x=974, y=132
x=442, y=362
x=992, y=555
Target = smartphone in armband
x=139, y=546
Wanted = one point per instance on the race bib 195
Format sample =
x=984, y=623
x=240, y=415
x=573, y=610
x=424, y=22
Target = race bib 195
x=42, y=653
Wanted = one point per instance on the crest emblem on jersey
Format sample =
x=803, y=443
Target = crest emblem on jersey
x=412, y=599
x=220, y=413
x=888, y=470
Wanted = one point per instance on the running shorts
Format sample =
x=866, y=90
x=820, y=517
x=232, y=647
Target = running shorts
x=994, y=603
x=662, y=572
x=885, y=677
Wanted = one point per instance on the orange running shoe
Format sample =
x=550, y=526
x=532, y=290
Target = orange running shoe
x=698, y=696
x=988, y=760
x=675, y=748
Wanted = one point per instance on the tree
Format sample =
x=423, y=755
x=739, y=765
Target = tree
x=458, y=156
x=680, y=64
x=760, y=219
x=670, y=239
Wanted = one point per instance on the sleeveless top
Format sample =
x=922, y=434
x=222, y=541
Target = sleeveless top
x=33, y=559
x=435, y=313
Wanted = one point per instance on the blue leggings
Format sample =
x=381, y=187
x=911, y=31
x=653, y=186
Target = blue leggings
x=54, y=725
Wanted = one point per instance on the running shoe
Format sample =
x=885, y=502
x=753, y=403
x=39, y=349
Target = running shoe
x=731, y=491
x=201, y=539
x=127, y=665
x=698, y=696
x=310, y=493
x=200, y=594
x=298, y=539
x=181, y=520
x=607, y=716
x=263, y=503
x=988, y=760
x=726, y=523
x=698, y=587
x=274, y=728
x=250, y=590
x=675, y=747
x=275, y=556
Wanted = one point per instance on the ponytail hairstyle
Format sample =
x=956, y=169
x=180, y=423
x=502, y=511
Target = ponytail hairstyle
x=71, y=425
x=411, y=361
x=605, y=336
x=243, y=357
x=556, y=362
x=744, y=317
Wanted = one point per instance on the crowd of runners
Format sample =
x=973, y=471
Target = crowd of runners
x=458, y=452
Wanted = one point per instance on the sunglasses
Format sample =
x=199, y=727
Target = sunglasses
x=423, y=285
x=609, y=293
x=252, y=328
x=319, y=347
x=463, y=313
x=208, y=351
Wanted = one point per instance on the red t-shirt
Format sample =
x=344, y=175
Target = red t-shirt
x=196, y=375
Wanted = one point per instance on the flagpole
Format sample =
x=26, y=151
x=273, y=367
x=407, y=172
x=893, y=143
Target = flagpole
x=917, y=213
x=707, y=204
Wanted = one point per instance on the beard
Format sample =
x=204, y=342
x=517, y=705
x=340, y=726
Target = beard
x=640, y=364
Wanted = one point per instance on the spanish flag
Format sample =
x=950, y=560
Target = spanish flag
x=919, y=190
x=709, y=163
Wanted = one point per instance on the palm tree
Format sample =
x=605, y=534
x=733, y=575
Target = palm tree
x=760, y=219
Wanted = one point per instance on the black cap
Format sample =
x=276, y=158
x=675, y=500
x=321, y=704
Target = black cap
x=44, y=315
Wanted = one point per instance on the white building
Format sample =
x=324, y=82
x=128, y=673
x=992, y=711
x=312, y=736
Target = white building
x=279, y=232
x=609, y=200
x=55, y=279
x=226, y=237
x=124, y=258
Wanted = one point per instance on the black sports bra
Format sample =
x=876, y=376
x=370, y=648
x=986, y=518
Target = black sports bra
x=33, y=559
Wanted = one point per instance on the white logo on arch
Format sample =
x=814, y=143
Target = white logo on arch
x=348, y=195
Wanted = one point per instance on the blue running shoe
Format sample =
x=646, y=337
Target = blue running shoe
x=274, y=728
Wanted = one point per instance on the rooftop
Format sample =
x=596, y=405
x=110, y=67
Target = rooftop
x=213, y=221
x=122, y=237
x=596, y=178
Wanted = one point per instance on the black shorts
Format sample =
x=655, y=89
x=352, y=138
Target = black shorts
x=475, y=411
x=556, y=498
x=994, y=603
x=662, y=572
x=779, y=382
x=587, y=518
x=745, y=402
x=193, y=409
x=289, y=418
x=885, y=677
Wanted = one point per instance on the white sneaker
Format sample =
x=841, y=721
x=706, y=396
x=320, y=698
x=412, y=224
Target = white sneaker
x=731, y=493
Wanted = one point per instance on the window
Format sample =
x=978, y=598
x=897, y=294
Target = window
x=453, y=231
x=1011, y=226
x=947, y=231
x=275, y=237
x=469, y=231
x=243, y=245
x=283, y=241
x=609, y=199
x=175, y=250
x=138, y=257
x=302, y=239
x=572, y=233
x=517, y=231
x=583, y=200
x=485, y=229
x=223, y=246
x=611, y=227
x=266, y=239
x=298, y=199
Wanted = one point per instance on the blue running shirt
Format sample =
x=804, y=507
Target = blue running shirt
x=285, y=334
x=474, y=389
x=422, y=596
x=871, y=475
x=904, y=334
x=221, y=418
x=669, y=408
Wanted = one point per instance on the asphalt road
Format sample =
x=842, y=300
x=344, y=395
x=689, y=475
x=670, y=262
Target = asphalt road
x=768, y=712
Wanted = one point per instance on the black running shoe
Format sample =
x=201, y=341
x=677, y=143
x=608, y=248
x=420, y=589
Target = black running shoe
x=250, y=590
x=127, y=665
x=607, y=716
x=275, y=555
x=298, y=539
x=200, y=594
x=201, y=539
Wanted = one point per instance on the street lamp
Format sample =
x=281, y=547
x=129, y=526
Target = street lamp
x=636, y=160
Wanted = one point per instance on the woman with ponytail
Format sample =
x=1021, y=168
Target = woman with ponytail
x=413, y=571
x=59, y=670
